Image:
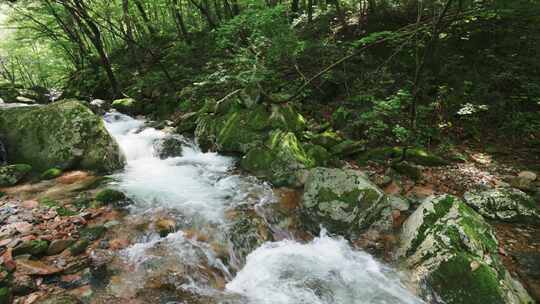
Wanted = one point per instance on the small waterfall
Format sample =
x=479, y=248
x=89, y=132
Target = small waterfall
x=200, y=188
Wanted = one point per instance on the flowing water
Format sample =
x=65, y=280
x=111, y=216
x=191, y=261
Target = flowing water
x=197, y=263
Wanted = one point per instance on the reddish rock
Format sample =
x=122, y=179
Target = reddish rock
x=36, y=267
x=392, y=189
x=30, y=204
x=22, y=227
x=72, y=177
x=421, y=192
x=117, y=244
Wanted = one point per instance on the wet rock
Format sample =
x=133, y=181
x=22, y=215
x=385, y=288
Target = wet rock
x=505, y=204
x=35, y=248
x=343, y=201
x=57, y=246
x=51, y=173
x=92, y=233
x=60, y=299
x=170, y=146
x=79, y=247
x=12, y=174
x=64, y=134
x=32, y=267
x=279, y=160
x=164, y=226
x=327, y=139
x=454, y=251
x=23, y=285
x=530, y=263
x=110, y=196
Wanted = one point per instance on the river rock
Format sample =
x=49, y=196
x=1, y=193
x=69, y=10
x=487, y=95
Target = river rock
x=34, y=248
x=12, y=174
x=127, y=106
x=504, y=204
x=453, y=250
x=60, y=299
x=170, y=146
x=344, y=201
x=57, y=246
x=279, y=160
x=32, y=267
x=64, y=134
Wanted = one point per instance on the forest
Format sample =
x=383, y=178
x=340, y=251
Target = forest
x=269, y=151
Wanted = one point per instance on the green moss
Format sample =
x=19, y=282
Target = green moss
x=327, y=139
x=318, y=153
x=5, y=295
x=51, y=173
x=109, y=196
x=284, y=117
x=424, y=158
x=12, y=174
x=35, y=248
x=441, y=208
x=380, y=154
x=92, y=233
x=127, y=105
x=408, y=169
x=64, y=134
x=79, y=247
x=47, y=202
x=456, y=283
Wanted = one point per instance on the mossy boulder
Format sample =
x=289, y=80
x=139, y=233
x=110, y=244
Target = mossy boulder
x=127, y=106
x=504, y=204
x=417, y=156
x=318, y=153
x=51, y=173
x=187, y=122
x=344, y=202
x=348, y=147
x=12, y=174
x=241, y=129
x=453, y=250
x=170, y=146
x=79, y=247
x=62, y=135
x=279, y=159
x=110, y=196
x=408, y=169
x=8, y=91
x=327, y=139
x=35, y=248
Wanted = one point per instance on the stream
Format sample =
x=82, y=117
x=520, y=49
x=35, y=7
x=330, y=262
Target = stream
x=196, y=263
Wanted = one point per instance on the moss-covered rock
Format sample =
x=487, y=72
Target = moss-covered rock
x=451, y=248
x=343, y=201
x=51, y=173
x=35, y=248
x=408, y=169
x=5, y=295
x=422, y=157
x=414, y=155
x=109, y=196
x=327, y=139
x=92, y=233
x=127, y=106
x=79, y=247
x=63, y=135
x=504, y=204
x=12, y=174
x=279, y=159
x=318, y=153
x=348, y=147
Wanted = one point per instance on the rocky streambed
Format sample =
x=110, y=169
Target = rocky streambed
x=180, y=225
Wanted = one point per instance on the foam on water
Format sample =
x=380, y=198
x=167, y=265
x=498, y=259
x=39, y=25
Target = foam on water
x=324, y=271
x=187, y=183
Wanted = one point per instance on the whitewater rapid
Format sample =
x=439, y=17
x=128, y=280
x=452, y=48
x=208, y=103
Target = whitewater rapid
x=201, y=186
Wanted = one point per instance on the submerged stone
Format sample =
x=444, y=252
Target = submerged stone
x=12, y=174
x=62, y=135
x=451, y=248
x=504, y=204
x=343, y=201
